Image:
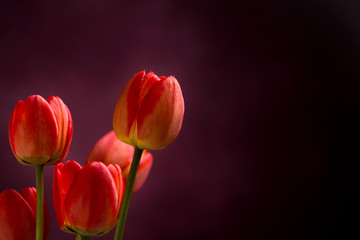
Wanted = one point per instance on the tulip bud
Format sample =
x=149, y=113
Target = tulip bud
x=149, y=111
x=111, y=150
x=87, y=199
x=40, y=130
x=18, y=215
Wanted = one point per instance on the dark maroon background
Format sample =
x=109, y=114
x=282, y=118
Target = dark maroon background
x=271, y=93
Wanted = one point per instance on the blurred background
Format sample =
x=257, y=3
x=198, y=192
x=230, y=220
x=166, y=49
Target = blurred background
x=271, y=93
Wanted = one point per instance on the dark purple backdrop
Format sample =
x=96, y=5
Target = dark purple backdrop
x=270, y=88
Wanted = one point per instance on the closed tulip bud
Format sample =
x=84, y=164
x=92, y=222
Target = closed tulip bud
x=149, y=111
x=18, y=215
x=87, y=199
x=111, y=150
x=40, y=130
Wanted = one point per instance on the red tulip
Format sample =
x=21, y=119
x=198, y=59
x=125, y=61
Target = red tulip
x=18, y=215
x=40, y=130
x=87, y=199
x=111, y=150
x=149, y=111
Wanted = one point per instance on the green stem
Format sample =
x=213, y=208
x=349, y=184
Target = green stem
x=80, y=237
x=39, y=201
x=120, y=227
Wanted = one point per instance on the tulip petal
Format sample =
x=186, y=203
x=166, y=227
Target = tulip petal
x=68, y=173
x=92, y=200
x=17, y=220
x=29, y=194
x=115, y=171
x=56, y=196
x=128, y=105
x=64, y=123
x=160, y=116
x=149, y=80
x=33, y=131
x=110, y=150
x=64, y=175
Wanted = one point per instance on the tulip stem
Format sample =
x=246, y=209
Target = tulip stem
x=80, y=237
x=39, y=201
x=127, y=195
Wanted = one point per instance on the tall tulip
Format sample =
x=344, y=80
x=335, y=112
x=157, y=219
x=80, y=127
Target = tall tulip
x=87, y=199
x=149, y=111
x=18, y=215
x=110, y=150
x=40, y=130
x=148, y=115
x=40, y=133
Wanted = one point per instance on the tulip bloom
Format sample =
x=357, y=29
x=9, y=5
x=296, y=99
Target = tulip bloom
x=87, y=199
x=149, y=111
x=40, y=130
x=18, y=215
x=111, y=150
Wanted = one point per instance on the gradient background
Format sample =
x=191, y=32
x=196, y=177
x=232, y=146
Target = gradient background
x=271, y=93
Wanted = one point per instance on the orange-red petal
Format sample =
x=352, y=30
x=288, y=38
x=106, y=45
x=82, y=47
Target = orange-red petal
x=160, y=116
x=64, y=175
x=33, y=131
x=65, y=128
x=110, y=150
x=127, y=107
x=92, y=200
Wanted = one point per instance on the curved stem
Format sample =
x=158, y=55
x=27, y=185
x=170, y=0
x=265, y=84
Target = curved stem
x=120, y=227
x=39, y=201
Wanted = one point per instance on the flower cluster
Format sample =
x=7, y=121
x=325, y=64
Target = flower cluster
x=88, y=200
